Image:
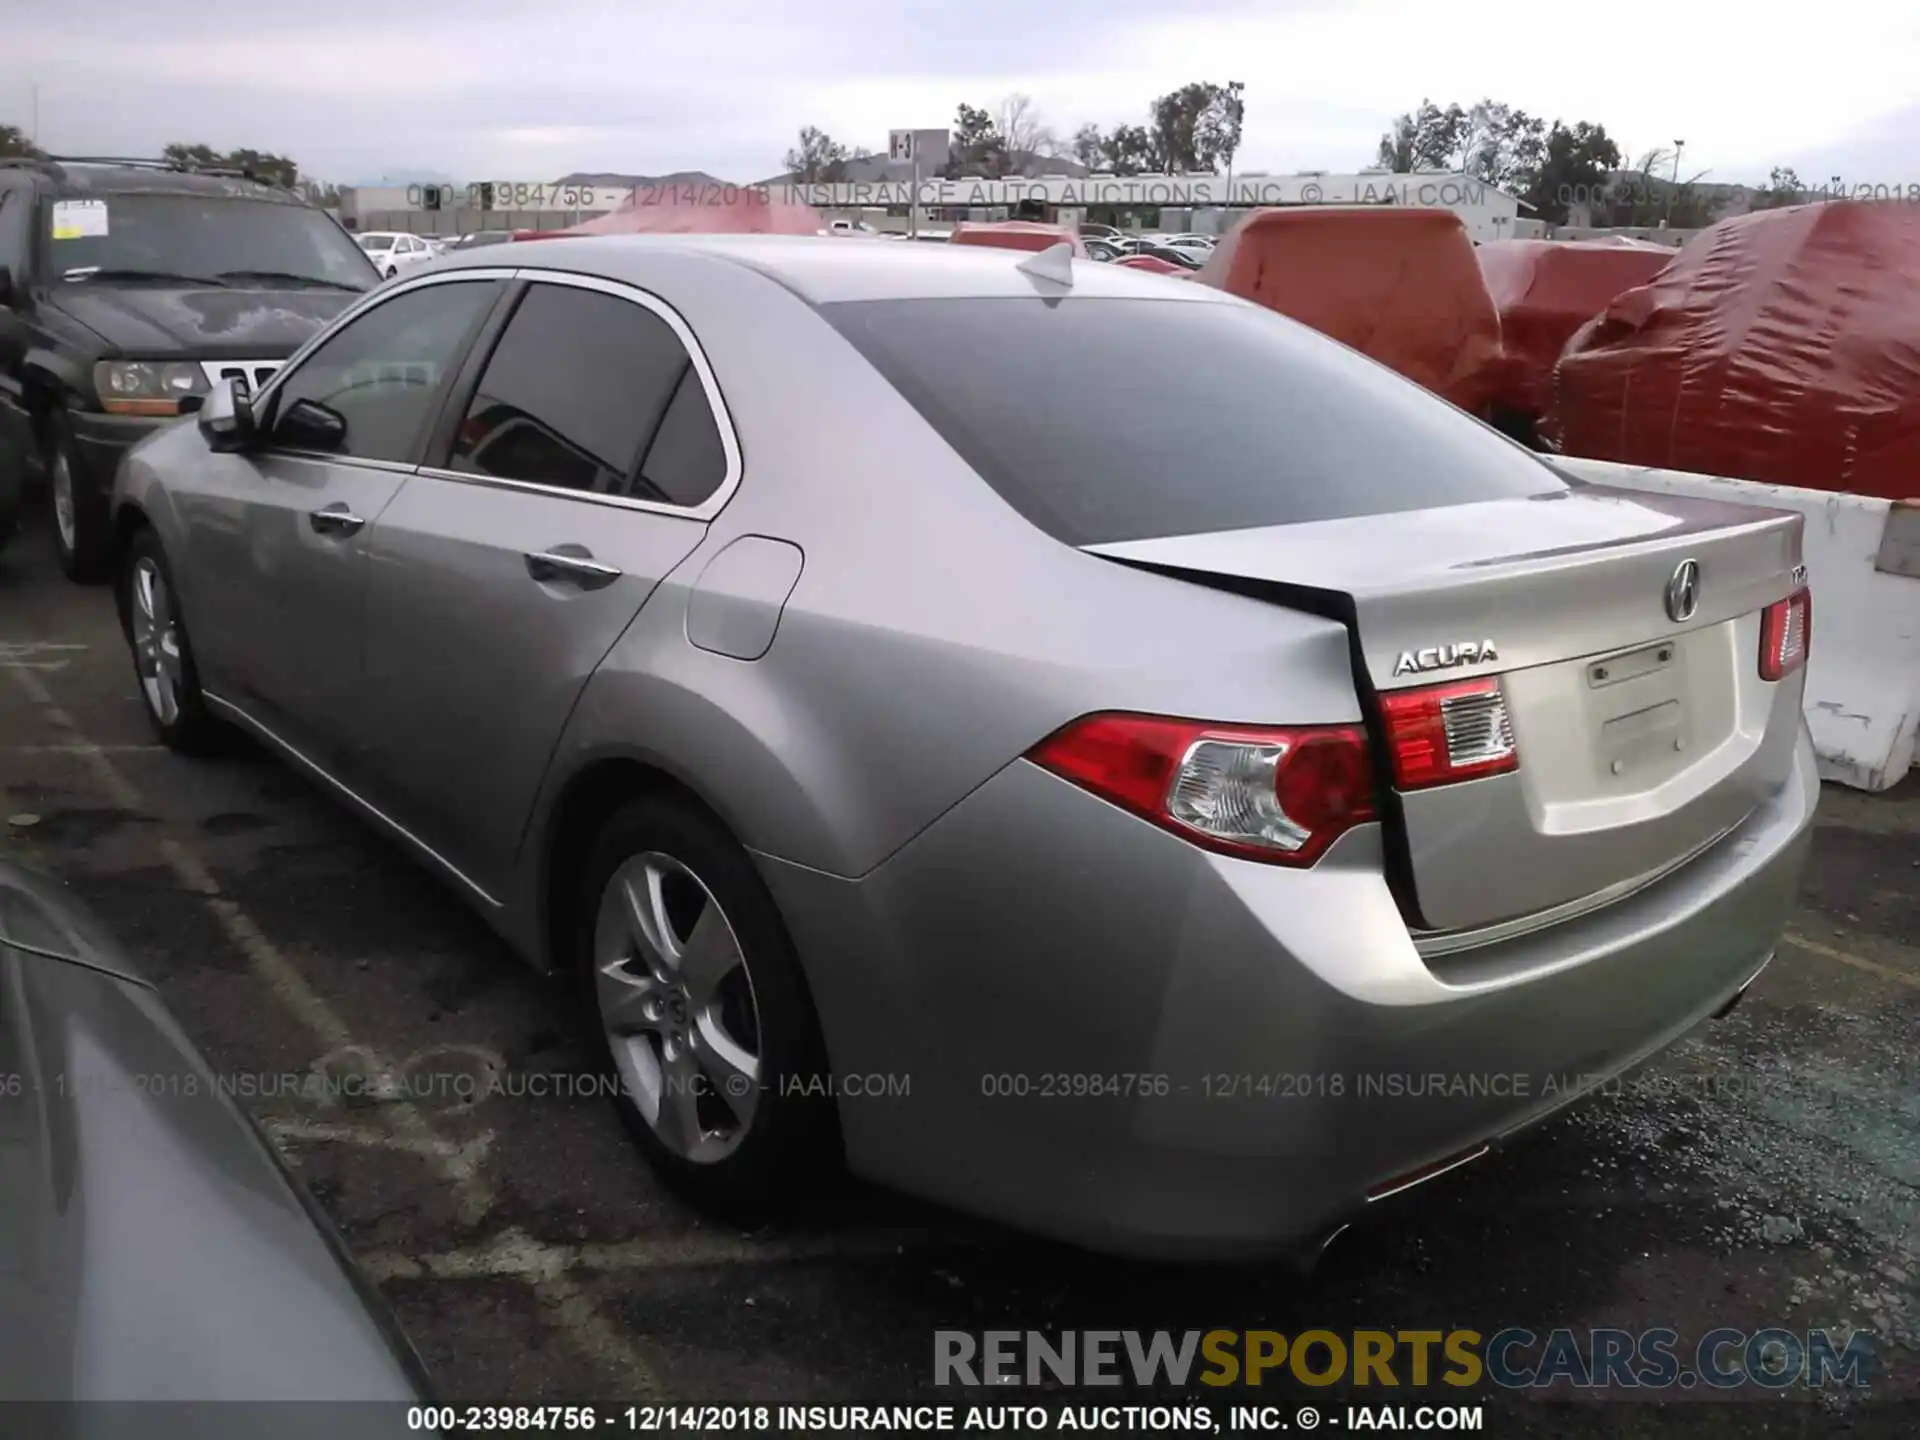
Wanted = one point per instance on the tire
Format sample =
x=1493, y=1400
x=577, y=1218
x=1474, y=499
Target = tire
x=743, y=1148
x=392, y=270
x=163, y=665
x=82, y=533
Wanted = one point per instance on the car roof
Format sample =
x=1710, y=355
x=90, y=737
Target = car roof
x=822, y=270
x=75, y=178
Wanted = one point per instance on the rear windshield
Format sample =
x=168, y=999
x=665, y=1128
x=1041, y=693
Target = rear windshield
x=1103, y=420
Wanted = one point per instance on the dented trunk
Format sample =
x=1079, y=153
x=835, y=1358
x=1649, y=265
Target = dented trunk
x=1615, y=638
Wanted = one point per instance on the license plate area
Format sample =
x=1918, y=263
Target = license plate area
x=1637, y=702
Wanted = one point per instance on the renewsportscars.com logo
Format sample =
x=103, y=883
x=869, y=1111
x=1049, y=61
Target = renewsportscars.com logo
x=1514, y=1358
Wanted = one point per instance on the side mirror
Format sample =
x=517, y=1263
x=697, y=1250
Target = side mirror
x=308, y=425
x=226, y=416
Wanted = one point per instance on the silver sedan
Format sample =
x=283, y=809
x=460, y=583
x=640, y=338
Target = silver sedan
x=1168, y=813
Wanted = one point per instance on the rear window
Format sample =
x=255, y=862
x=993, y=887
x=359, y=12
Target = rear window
x=1104, y=420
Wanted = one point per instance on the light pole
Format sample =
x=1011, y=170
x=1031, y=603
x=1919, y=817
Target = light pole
x=1674, y=189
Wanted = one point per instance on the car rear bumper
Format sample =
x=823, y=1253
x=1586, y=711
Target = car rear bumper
x=1062, y=1017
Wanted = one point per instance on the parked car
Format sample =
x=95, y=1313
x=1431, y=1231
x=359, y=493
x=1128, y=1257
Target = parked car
x=952, y=737
x=1092, y=230
x=1101, y=250
x=126, y=290
x=392, y=252
x=152, y=1245
x=473, y=239
x=1185, y=258
x=1016, y=235
x=1152, y=265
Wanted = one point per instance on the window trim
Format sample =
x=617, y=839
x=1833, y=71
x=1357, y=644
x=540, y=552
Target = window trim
x=716, y=403
x=378, y=296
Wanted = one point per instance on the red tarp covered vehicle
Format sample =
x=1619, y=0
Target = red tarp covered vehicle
x=1782, y=346
x=1398, y=284
x=1016, y=235
x=705, y=210
x=1544, y=290
x=1152, y=264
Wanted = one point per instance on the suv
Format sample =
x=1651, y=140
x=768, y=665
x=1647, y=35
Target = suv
x=127, y=288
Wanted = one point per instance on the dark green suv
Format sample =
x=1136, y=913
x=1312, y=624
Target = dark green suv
x=127, y=288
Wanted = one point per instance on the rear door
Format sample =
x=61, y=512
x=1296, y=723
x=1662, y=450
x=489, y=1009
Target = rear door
x=590, y=450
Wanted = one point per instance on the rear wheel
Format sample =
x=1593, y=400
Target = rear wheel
x=81, y=537
x=162, y=655
x=701, y=1010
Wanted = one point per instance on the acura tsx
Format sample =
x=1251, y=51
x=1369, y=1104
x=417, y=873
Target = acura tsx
x=850, y=661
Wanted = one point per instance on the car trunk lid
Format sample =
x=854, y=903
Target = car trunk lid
x=1643, y=727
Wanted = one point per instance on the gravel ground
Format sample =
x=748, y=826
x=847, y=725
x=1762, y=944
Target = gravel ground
x=1764, y=1172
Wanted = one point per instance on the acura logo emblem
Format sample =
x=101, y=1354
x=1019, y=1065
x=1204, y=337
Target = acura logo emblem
x=1683, y=592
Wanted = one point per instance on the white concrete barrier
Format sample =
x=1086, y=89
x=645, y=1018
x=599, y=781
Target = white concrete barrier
x=1863, y=563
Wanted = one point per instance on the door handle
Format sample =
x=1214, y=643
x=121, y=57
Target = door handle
x=335, y=519
x=570, y=563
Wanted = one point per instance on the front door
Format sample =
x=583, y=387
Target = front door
x=280, y=533
x=588, y=461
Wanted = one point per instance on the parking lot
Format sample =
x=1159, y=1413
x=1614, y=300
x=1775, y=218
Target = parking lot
x=1766, y=1172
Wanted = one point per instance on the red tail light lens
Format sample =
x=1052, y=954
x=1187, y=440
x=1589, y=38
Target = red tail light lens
x=1786, y=635
x=1443, y=733
x=1280, y=795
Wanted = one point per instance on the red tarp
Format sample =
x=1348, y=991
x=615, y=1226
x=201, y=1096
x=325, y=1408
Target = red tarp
x=1400, y=285
x=1782, y=346
x=1151, y=263
x=681, y=210
x=1016, y=235
x=1544, y=290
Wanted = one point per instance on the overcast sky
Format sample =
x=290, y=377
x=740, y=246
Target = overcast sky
x=513, y=90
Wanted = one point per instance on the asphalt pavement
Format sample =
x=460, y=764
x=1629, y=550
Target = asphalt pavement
x=1763, y=1173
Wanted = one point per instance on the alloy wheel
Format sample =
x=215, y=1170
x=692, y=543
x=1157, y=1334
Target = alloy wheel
x=156, y=641
x=65, y=517
x=677, y=1005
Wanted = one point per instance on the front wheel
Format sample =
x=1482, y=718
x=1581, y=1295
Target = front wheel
x=162, y=654
x=81, y=532
x=702, y=1012
x=392, y=270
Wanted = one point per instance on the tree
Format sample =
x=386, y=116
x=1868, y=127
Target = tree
x=818, y=159
x=1502, y=146
x=14, y=143
x=1090, y=146
x=1578, y=162
x=1216, y=137
x=1022, y=131
x=1428, y=138
x=1196, y=127
x=1783, y=188
x=273, y=169
x=1652, y=195
x=1130, y=150
x=979, y=149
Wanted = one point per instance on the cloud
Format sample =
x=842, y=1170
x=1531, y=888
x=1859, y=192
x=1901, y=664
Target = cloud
x=515, y=90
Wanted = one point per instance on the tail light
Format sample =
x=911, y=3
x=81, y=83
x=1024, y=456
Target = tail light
x=1279, y=795
x=1786, y=635
x=1443, y=733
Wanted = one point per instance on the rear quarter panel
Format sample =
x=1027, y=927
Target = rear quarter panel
x=933, y=635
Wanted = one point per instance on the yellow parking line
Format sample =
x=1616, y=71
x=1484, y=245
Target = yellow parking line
x=1859, y=962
